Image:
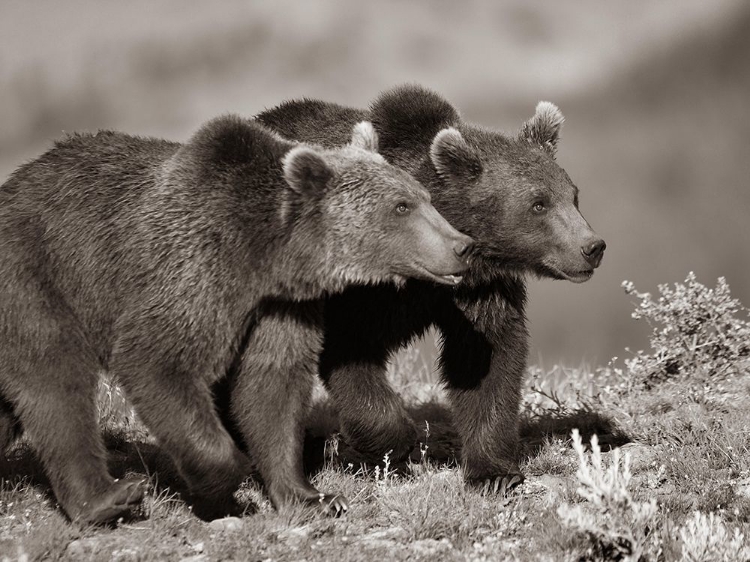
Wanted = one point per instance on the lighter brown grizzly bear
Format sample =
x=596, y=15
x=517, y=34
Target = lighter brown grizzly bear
x=159, y=262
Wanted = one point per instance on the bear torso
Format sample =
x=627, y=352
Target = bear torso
x=114, y=236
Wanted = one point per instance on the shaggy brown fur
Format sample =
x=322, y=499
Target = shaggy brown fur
x=170, y=265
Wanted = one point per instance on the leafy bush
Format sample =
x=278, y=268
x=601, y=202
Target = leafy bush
x=696, y=330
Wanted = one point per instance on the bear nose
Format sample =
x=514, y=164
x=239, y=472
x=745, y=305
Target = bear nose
x=593, y=252
x=463, y=248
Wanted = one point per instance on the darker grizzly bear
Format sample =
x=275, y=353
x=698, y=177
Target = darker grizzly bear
x=521, y=208
x=158, y=261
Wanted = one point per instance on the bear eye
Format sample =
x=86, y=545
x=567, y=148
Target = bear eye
x=402, y=208
x=538, y=207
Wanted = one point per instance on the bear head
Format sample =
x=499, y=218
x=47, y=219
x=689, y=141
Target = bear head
x=506, y=192
x=374, y=221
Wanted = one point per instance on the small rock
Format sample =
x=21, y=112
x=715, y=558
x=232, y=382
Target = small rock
x=75, y=549
x=391, y=533
x=430, y=546
x=228, y=524
x=549, y=482
x=295, y=536
x=123, y=555
x=743, y=488
x=82, y=547
x=642, y=457
x=381, y=544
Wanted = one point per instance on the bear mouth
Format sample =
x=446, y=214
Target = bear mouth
x=450, y=279
x=578, y=276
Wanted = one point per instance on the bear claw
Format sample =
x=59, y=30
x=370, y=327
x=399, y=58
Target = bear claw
x=333, y=504
x=501, y=485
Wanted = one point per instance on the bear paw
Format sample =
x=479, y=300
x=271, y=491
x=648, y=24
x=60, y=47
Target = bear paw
x=499, y=485
x=123, y=495
x=332, y=504
x=368, y=445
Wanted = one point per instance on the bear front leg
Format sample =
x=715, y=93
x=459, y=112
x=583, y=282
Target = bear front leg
x=270, y=398
x=483, y=362
x=364, y=326
x=372, y=417
x=164, y=375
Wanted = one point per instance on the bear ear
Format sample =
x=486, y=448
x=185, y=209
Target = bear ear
x=544, y=128
x=306, y=171
x=453, y=157
x=409, y=116
x=364, y=136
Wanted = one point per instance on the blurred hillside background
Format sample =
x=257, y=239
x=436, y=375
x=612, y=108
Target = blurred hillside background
x=655, y=94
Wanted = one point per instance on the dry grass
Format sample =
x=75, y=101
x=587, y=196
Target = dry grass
x=690, y=459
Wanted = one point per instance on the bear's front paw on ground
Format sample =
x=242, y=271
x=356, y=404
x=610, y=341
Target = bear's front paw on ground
x=499, y=485
x=118, y=501
x=334, y=505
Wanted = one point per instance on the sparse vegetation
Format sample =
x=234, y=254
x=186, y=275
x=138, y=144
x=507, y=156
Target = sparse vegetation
x=623, y=462
x=698, y=333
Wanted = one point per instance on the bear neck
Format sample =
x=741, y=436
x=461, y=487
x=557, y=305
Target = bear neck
x=311, y=264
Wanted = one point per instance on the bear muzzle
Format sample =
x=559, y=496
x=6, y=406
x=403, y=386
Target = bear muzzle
x=594, y=252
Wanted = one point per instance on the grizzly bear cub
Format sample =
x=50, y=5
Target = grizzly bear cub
x=510, y=194
x=171, y=265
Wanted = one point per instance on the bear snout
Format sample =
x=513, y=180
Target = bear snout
x=593, y=252
x=463, y=248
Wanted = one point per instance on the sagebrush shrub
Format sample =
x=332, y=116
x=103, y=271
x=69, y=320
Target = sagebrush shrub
x=705, y=538
x=696, y=330
x=613, y=525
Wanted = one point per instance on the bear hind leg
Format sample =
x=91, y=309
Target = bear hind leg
x=50, y=376
x=175, y=402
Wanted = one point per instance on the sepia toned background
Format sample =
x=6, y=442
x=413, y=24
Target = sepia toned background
x=655, y=94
